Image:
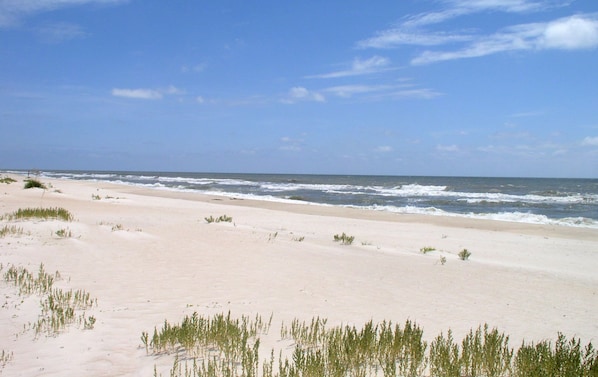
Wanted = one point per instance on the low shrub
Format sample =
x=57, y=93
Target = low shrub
x=34, y=183
x=464, y=254
x=221, y=219
x=344, y=239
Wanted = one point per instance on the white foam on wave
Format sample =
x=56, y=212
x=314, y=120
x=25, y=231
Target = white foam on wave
x=518, y=217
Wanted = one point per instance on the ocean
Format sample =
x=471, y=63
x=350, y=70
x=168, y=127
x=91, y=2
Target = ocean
x=564, y=202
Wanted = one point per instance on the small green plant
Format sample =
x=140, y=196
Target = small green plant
x=58, y=307
x=39, y=213
x=117, y=227
x=7, y=180
x=299, y=239
x=272, y=236
x=5, y=358
x=34, y=183
x=344, y=239
x=223, y=218
x=10, y=230
x=427, y=249
x=442, y=260
x=95, y=197
x=464, y=254
x=64, y=233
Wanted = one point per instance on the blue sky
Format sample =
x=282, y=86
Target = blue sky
x=426, y=87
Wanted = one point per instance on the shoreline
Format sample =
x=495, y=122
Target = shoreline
x=165, y=261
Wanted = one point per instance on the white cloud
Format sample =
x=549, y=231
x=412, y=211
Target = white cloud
x=447, y=148
x=173, y=90
x=591, y=141
x=12, y=11
x=350, y=90
x=358, y=67
x=143, y=93
x=200, y=99
x=570, y=33
x=383, y=149
x=137, y=93
x=299, y=93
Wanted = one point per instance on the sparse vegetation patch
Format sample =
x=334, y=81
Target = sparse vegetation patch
x=34, y=183
x=7, y=180
x=223, y=218
x=344, y=239
x=58, y=307
x=10, y=230
x=223, y=346
x=39, y=213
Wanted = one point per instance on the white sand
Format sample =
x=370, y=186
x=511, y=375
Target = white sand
x=529, y=281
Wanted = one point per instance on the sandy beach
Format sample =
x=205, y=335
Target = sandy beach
x=148, y=255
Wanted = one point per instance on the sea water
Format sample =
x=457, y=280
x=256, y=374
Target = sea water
x=568, y=202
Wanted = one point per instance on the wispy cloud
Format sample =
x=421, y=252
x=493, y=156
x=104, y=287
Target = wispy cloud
x=383, y=149
x=448, y=148
x=143, y=93
x=350, y=90
x=569, y=33
x=359, y=67
x=13, y=11
x=137, y=93
x=301, y=94
x=380, y=92
x=590, y=141
x=60, y=32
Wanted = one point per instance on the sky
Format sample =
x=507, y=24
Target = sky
x=409, y=87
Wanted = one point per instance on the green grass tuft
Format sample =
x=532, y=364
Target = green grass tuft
x=39, y=213
x=464, y=254
x=34, y=183
x=344, y=239
x=7, y=180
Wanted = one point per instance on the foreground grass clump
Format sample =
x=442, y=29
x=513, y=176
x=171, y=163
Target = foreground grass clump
x=34, y=183
x=10, y=230
x=58, y=307
x=7, y=180
x=223, y=346
x=226, y=343
x=344, y=239
x=39, y=213
x=221, y=219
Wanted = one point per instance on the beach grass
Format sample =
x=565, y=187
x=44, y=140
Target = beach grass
x=7, y=180
x=427, y=249
x=39, y=213
x=220, y=219
x=344, y=239
x=223, y=346
x=10, y=230
x=34, y=183
x=464, y=254
x=59, y=308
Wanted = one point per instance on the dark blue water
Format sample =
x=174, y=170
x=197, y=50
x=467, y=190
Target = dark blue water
x=572, y=202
